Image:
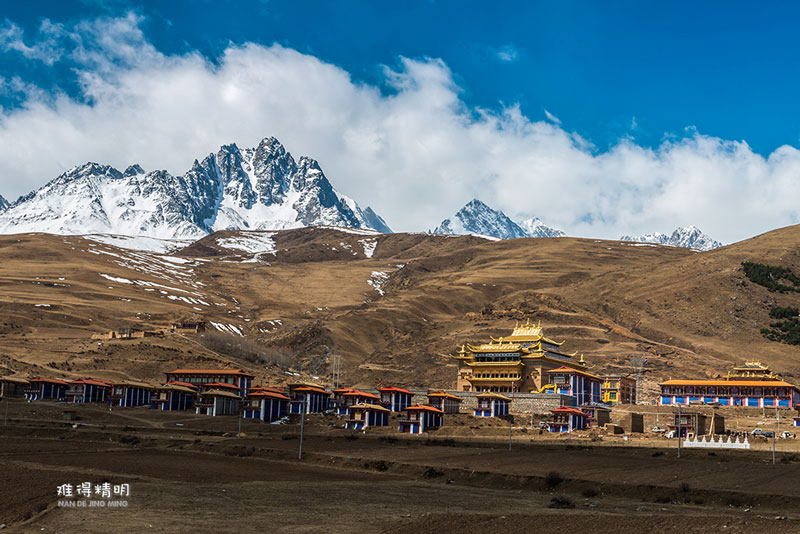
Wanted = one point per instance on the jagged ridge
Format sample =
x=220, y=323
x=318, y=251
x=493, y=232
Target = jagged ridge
x=478, y=218
x=685, y=236
x=261, y=188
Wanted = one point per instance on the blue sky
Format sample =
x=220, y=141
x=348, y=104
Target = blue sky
x=604, y=69
x=642, y=90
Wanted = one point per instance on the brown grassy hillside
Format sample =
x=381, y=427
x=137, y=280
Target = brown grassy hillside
x=303, y=295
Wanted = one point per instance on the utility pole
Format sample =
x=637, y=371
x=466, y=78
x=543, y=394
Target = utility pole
x=241, y=416
x=509, y=416
x=774, y=434
x=531, y=413
x=336, y=370
x=638, y=369
x=569, y=426
x=302, y=424
x=678, y=430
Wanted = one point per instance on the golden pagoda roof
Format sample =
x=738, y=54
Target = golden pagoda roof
x=751, y=366
x=752, y=369
x=496, y=347
x=514, y=363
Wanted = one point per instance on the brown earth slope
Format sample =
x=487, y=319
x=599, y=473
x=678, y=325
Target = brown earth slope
x=311, y=293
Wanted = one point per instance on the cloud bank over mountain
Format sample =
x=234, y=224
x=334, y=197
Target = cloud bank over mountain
x=409, y=146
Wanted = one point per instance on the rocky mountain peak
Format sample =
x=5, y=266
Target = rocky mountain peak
x=133, y=170
x=253, y=188
x=4, y=204
x=478, y=218
x=685, y=236
x=534, y=227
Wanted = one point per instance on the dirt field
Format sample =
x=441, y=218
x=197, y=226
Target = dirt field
x=191, y=474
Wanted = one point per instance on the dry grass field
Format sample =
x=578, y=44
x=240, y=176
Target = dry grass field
x=191, y=473
x=312, y=292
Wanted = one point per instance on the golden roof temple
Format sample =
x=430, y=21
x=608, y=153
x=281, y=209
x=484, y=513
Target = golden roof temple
x=752, y=371
x=518, y=362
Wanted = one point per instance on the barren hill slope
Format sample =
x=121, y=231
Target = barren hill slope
x=393, y=306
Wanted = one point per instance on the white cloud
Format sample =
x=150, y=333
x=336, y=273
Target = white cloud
x=46, y=47
x=416, y=153
x=552, y=118
x=507, y=53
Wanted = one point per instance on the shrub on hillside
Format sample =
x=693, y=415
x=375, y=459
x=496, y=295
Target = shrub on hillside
x=769, y=276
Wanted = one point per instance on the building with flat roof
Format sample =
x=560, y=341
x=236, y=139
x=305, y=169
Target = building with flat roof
x=420, y=418
x=582, y=386
x=12, y=386
x=128, y=393
x=173, y=396
x=265, y=404
x=353, y=397
x=366, y=415
x=307, y=398
x=396, y=399
x=618, y=390
x=86, y=390
x=751, y=384
x=491, y=405
x=598, y=414
x=446, y=402
x=566, y=419
x=216, y=402
x=40, y=388
x=198, y=377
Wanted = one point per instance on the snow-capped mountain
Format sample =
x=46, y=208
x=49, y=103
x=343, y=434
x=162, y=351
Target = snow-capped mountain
x=685, y=236
x=478, y=218
x=3, y=204
x=656, y=237
x=534, y=227
x=261, y=188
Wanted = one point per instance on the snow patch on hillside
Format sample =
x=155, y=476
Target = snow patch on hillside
x=252, y=242
x=148, y=244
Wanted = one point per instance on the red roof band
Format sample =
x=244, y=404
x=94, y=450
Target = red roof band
x=423, y=408
x=564, y=409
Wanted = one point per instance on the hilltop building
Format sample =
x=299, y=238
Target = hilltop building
x=519, y=362
x=751, y=384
